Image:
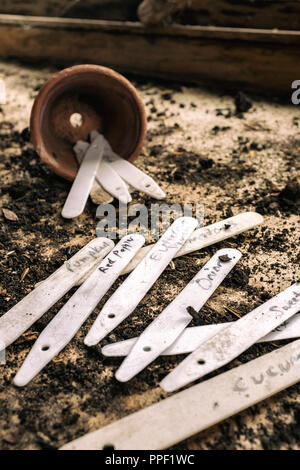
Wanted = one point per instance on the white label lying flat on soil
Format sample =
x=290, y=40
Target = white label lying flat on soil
x=84, y=179
x=235, y=339
x=20, y=317
x=208, y=235
x=191, y=338
x=164, y=330
x=189, y=412
x=126, y=298
x=69, y=319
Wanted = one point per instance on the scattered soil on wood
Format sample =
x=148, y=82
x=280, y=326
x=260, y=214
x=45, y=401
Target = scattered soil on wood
x=231, y=154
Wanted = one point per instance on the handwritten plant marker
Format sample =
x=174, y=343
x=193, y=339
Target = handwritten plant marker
x=235, y=339
x=70, y=318
x=164, y=330
x=98, y=194
x=287, y=330
x=25, y=313
x=206, y=236
x=130, y=173
x=126, y=298
x=199, y=407
x=83, y=182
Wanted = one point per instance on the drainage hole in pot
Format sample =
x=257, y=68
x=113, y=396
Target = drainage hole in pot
x=147, y=348
x=76, y=120
x=45, y=348
x=201, y=362
x=111, y=315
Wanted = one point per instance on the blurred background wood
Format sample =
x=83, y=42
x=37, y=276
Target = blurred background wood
x=238, y=44
x=89, y=9
x=266, y=14
x=227, y=58
x=154, y=11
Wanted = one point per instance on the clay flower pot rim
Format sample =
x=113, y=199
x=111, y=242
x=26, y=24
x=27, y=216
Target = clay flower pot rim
x=76, y=71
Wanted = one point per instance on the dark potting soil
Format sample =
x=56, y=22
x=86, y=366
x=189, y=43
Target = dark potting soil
x=77, y=391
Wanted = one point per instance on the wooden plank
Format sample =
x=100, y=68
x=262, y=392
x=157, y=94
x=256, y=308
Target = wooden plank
x=35, y=7
x=113, y=27
x=154, y=11
x=265, y=14
x=257, y=60
x=101, y=9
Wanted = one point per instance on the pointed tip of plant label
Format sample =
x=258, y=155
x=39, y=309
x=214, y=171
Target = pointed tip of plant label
x=166, y=386
x=105, y=350
x=160, y=194
x=90, y=341
x=121, y=376
x=20, y=380
x=113, y=350
x=125, y=199
x=69, y=214
x=169, y=385
x=259, y=218
x=27, y=371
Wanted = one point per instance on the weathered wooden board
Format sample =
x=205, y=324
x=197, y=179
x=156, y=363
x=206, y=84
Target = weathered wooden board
x=258, y=60
x=100, y=9
x=269, y=14
x=282, y=14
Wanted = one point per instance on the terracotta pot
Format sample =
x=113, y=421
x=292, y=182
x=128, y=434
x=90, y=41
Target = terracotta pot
x=76, y=101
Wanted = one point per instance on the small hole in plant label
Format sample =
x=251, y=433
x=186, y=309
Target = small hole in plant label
x=111, y=315
x=76, y=120
x=201, y=362
x=147, y=348
x=45, y=348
